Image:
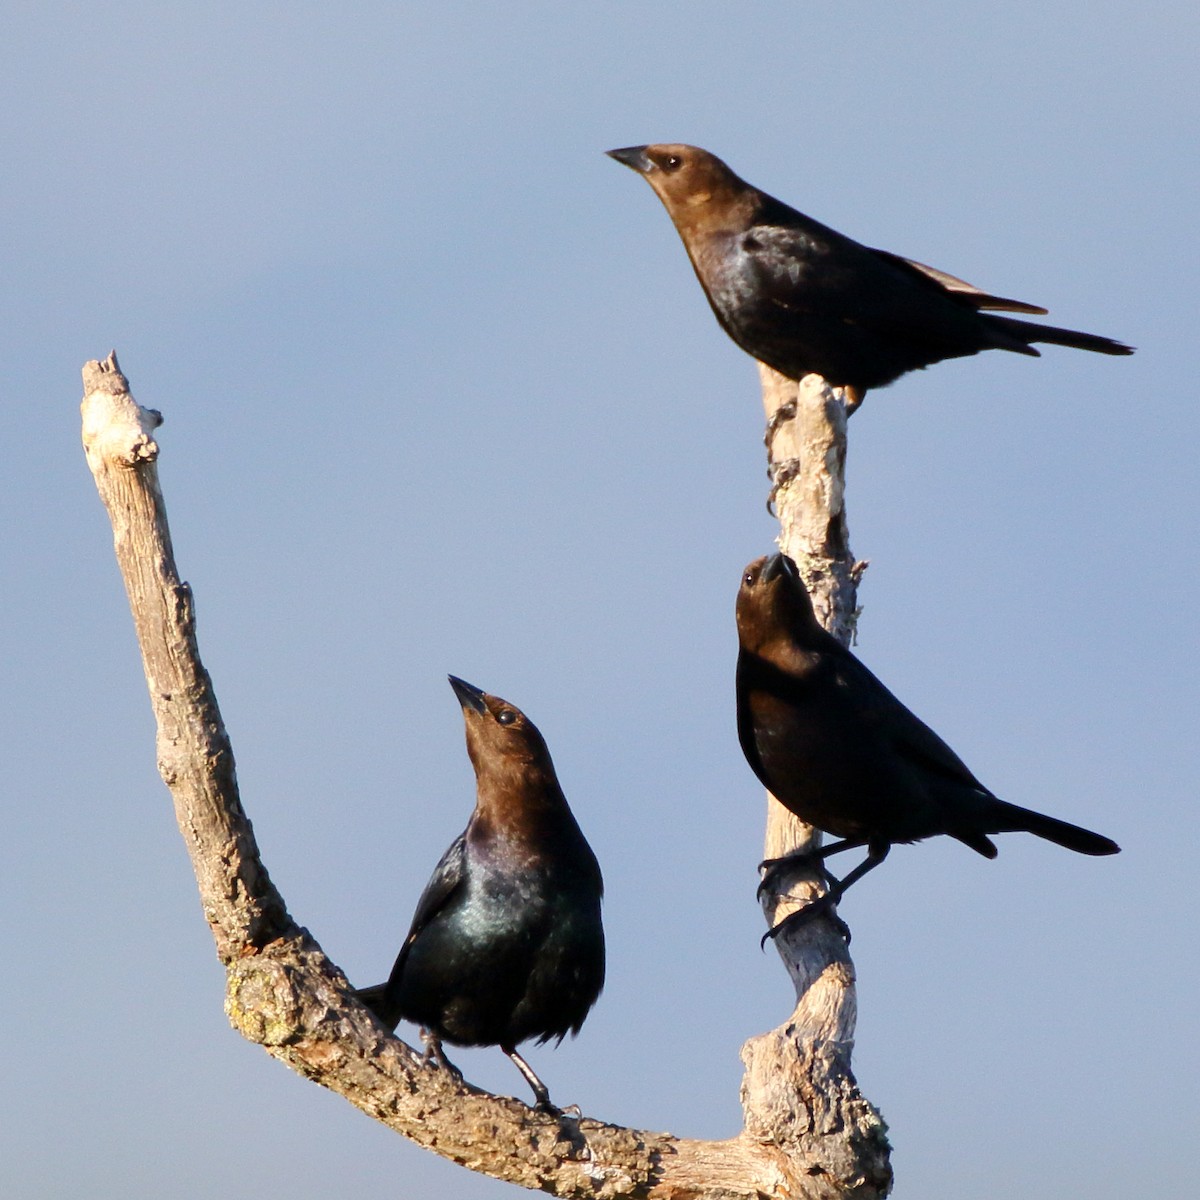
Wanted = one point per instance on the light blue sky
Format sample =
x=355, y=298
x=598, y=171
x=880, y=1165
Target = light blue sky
x=441, y=394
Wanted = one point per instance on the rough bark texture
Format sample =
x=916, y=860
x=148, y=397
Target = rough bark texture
x=808, y=1133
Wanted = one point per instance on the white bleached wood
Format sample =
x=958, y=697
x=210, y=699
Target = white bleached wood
x=806, y=446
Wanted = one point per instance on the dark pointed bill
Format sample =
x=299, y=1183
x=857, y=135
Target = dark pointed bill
x=468, y=695
x=777, y=564
x=631, y=156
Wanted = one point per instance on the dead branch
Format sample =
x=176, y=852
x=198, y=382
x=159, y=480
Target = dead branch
x=806, y=452
x=809, y=1134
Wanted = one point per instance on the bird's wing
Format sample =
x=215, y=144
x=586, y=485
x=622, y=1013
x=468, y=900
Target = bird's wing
x=801, y=265
x=806, y=266
x=961, y=289
x=894, y=722
x=447, y=878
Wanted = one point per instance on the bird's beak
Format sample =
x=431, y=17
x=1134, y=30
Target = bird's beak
x=776, y=565
x=468, y=696
x=633, y=157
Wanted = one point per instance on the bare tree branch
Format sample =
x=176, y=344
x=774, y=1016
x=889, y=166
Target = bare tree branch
x=806, y=451
x=809, y=1135
x=806, y=459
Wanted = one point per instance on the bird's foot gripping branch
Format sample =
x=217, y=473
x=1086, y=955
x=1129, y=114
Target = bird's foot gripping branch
x=809, y=1134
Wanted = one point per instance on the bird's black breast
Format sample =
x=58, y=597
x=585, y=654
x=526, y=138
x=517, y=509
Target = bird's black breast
x=517, y=953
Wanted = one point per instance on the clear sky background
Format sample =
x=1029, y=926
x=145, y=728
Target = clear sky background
x=441, y=394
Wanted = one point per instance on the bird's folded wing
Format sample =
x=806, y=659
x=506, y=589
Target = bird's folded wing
x=968, y=292
x=907, y=734
x=447, y=878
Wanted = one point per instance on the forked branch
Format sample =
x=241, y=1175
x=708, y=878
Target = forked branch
x=809, y=1134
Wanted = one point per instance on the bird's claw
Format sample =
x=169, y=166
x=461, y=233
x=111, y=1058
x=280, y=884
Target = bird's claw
x=822, y=906
x=436, y=1056
x=781, y=474
x=780, y=417
x=774, y=868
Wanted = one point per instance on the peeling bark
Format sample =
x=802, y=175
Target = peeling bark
x=809, y=1135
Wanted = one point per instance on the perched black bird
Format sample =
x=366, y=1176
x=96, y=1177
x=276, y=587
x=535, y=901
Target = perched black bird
x=506, y=943
x=803, y=298
x=834, y=746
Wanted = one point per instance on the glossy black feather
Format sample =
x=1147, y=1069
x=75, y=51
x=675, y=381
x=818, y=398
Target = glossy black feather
x=801, y=297
x=833, y=744
x=507, y=942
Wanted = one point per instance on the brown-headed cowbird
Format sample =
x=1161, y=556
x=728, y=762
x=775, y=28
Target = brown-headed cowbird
x=506, y=943
x=834, y=746
x=803, y=298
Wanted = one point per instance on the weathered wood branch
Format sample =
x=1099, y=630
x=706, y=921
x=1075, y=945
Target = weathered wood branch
x=806, y=451
x=809, y=1135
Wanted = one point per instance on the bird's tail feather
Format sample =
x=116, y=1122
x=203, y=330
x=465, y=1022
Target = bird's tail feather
x=1031, y=331
x=1010, y=818
x=375, y=998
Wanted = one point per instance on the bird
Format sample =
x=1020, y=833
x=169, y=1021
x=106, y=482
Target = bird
x=803, y=298
x=507, y=942
x=836, y=748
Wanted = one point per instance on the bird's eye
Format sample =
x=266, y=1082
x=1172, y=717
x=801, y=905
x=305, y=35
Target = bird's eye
x=672, y=162
x=506, y=716
x=748, y=579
